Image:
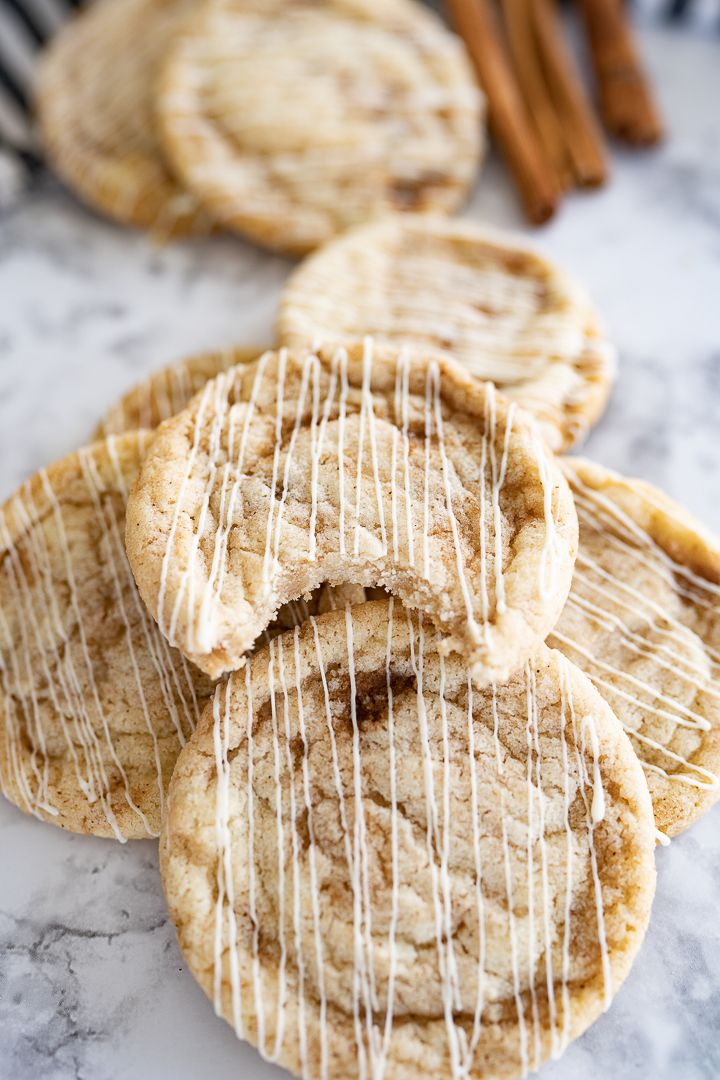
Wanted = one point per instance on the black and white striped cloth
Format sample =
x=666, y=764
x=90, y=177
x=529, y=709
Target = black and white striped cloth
x=25, y=28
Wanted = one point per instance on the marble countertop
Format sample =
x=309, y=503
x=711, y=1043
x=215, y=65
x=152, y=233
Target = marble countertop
x=92, y=985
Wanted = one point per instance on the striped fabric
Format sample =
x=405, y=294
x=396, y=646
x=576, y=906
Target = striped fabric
x=25, y=27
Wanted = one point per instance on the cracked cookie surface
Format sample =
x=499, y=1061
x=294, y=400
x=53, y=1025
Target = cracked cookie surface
x=643, y=621
x=95, y=704
x=359, y=467
x=293, y=119
x=471, y=293
x=94, y=103
x=169, y=390
x=373, y=869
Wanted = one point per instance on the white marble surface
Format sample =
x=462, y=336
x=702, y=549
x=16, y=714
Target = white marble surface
x=92, y=985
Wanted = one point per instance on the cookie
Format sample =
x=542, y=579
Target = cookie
x=94, y=105
x=321, y=600
x=352, y=467
x=166, y=392
x=455, y=289
x=643, y=621
x=375, y=870
x=95, y=704
x=293, y=119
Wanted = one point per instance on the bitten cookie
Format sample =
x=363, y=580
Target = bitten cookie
x=375, y=870
x=94, y=105
x=455, y=289
x=95, y=704
x=352, y=467
x=168, y=391
x=643, y=620
x=293, y=119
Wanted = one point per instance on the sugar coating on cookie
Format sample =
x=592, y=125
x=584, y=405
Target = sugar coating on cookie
x=95, y=704
x=94, y=104
x=643, y=621
x=353, y=467
x=168, y=391
x=294, y=119
x=457, y=289
x=376, y=870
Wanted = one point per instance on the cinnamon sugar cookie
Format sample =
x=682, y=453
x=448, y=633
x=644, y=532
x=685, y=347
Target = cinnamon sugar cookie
x=94, y=103
x=167, y=392
x=376, y=870
x=455, y=289
x=643, y=621
x=351, y=467
x=95, y=704
x=293, y=119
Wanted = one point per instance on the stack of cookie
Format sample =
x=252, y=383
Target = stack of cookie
x=284, y=120
x=300, y=631
x=408, y=698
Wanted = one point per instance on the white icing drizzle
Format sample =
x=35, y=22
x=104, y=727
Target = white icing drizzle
x=367, y=418
x=549, y=562
x=479, y=901
x=216, y=577
x=541, y=799
x=402, y=415
x=188, y=580
x=318, y=441
x=498, y=480
x=89, y=672
x=308, y=399
x=169, y=547
x=433, y=387
x=252, y=881
x=314, y=899
x=361, y=900
x=593, y=809
x=394, y=849
x=434, y=843
x=531, y=830
x=282, y=670
x=113, y=545
x=295, y=851
x=634, y=642
x=564, y=1036
x=342, y=417
x=42, y=648
x=627, y=528
x=512, y=925
x=282, y=900
x=605, y=600
x=225, y=903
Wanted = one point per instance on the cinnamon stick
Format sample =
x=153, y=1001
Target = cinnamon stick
x=523, y=44
x=626, y=101
x=534, y=177
x=583, y=138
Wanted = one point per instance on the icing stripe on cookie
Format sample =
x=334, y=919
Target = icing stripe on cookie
x=612, y=603
x=532, y=964
x=50, y=663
